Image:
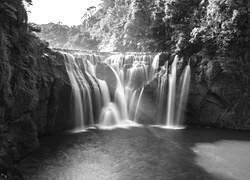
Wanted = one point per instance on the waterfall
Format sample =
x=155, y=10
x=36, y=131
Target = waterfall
x=183, y=94
x=138, y=104
x=176, y=96
x=171, y=93
x=117, y=101
x=110, y=115
x=115, y=113
x=131, y=73
x=136, y=77
x=77, y=109
x=161, y=96
x=105, y=92
x=120, y=98
x=85, y=97
x=154, y=67
x=132, y=105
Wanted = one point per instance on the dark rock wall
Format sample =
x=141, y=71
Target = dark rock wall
x=34, y=101
x=219, y=97
x=51, y=113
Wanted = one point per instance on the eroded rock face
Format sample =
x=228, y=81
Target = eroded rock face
x=51, y=114
x=35, y=102
x=218, y=98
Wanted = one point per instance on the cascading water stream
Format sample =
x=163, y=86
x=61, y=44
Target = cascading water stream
x=162, y=91
x=171, y=94
x=120, y=99
x=138, y=103
x=175, y=92
x=105, y=92
x=76, y=93
x=109, y=114
x=184, y=83
x=91, y=96
x=83, y=91
x=136, y=76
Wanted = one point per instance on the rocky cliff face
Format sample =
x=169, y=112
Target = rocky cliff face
x=54, y=90
x=219, y=94
x=34, y=102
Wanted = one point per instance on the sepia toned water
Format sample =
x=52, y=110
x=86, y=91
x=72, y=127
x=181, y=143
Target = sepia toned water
x=141, y=153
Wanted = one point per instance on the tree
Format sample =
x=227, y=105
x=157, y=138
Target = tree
x=108, y=29
x=158, y=29
x=136, y=29
x=183, y=16
x=225, y=26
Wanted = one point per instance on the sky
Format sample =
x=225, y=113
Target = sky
x=68, y=12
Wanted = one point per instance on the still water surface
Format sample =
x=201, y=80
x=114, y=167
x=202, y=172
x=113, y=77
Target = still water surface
x=142, y=153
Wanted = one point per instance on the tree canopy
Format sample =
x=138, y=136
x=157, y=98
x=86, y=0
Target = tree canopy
x=180, y=26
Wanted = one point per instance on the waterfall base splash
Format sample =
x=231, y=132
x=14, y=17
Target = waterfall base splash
x=168, y=127
x=126, y=124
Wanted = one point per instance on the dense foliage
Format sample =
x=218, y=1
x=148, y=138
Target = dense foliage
x=181, y=26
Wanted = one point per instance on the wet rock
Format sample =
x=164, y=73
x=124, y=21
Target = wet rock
x=104, y=72
x=163, y=57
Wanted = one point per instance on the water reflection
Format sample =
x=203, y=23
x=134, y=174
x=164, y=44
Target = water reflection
x=219, y=157
x=142, y=153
